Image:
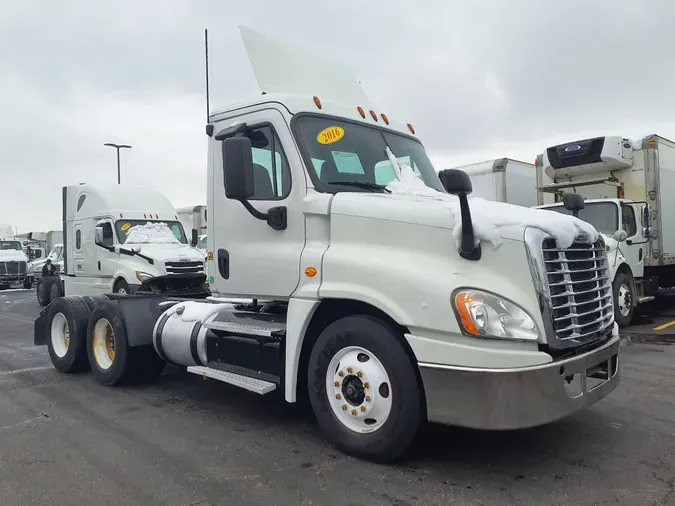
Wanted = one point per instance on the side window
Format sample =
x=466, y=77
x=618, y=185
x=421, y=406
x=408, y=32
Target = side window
x=629, y=224
x=271, y=173
x=107, y=234
x=80, y=201
x=78, y=239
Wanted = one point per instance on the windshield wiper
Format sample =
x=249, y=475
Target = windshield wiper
x=362, y=184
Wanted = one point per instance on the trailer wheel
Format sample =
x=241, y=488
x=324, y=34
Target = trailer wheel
x=624, y=299
x=42, y=292
x=67, y=323
x=364, y=389
x=107, y=345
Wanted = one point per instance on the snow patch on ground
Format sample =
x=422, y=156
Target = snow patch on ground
x=490, y=218
x=152, y=233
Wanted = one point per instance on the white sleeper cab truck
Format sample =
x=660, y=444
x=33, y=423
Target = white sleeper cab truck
x=118, y=237
x=627, y=188
x=504, y=180
x=369, y=289
x=13, y=262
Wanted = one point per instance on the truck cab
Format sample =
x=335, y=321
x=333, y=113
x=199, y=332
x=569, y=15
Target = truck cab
x=13, y=262
x=118, y=236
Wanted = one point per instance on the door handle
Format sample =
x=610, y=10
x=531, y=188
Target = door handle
x=99, y=265
x=224, y=263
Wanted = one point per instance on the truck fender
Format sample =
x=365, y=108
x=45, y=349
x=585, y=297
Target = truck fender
x=139, y=314
x=300, y=313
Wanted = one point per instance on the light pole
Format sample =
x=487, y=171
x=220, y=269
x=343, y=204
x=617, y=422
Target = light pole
x=118, y=147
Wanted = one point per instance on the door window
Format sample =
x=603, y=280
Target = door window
x=629, y=223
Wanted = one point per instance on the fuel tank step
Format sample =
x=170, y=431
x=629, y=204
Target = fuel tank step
x=258, y=386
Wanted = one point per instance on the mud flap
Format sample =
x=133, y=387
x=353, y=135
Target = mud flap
x=41, y=329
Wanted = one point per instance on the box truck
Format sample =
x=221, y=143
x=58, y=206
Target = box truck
x=504, y=180
x=627, y=186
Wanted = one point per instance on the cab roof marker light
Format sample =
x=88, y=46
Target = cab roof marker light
x=385, y=118
x=317, y=102
x=373, y=115
x=361, y=112
x=411, y=128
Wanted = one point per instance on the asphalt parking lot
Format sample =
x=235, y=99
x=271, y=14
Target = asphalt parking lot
x=66, y=440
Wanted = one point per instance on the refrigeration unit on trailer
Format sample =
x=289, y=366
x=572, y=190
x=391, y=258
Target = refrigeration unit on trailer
x=503, y=180
x=117, y=237
x=627, y=186
x=364, y=294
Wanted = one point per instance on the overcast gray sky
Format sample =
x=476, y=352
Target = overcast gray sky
x=478, y=79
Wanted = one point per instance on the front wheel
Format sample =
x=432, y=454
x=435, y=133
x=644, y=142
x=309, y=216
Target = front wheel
x=121, y=287
x=624, y=299
x=364, y=389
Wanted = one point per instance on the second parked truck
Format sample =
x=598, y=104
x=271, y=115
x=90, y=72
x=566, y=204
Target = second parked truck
x=359, y=296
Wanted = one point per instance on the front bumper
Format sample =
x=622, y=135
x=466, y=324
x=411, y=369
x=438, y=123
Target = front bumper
x=11, y=278
x=521, y=397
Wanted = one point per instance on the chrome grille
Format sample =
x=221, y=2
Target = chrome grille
x=184, y=267
x=579, y=290
x=13, y=267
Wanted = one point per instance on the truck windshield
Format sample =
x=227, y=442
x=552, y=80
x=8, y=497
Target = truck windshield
x=604, y=216
x=10, y=245
x=124, y=226
x=348, y=156
x=56, y=251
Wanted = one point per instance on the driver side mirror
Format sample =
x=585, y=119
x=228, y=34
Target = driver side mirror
x=238, y=168
x=98, y=236
x=194, y=240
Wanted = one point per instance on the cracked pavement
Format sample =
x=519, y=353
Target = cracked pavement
x=186, y=441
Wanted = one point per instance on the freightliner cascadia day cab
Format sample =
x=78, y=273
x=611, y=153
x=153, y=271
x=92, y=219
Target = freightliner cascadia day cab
x=116, y=237
x=627, y=186
x=504, y=180
x=386, y=301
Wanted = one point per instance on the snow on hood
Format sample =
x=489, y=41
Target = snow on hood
x=151, y=233
x=490, y=219
x=12, y=255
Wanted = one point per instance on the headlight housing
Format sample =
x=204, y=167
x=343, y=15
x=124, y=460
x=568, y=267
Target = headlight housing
x=484, y=314
x=143, y=276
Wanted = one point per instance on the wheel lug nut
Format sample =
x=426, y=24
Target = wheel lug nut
x=341, y=373
x=349, y=370
x=363, y=408
x=366, y=384
x=336, y=383
x=344, y=407
x=367, y=398
x=354, y=412
x=338, y=396
x=359, y=374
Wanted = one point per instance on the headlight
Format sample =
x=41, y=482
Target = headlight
x=488, y=315
x=143, y=276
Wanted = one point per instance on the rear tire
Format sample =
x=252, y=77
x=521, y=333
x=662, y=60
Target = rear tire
x=55, y=289
x=364, y=389
x=67, y=344
x=42, y=292
x=112, y=360
x=27, y=283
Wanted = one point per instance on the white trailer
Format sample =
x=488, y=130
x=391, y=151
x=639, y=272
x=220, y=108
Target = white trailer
x=193, y=217
x=360, y=295
x=504, y=180
x=627, y=186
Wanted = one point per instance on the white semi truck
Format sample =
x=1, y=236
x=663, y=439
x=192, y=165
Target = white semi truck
x=504, y=180
x=13, y=261
x=627, y=187
x=116, y=238
x=375, y=299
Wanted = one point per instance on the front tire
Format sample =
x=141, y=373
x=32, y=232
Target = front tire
x=364, y=389
x=121, y=287
x=624, y=298
x=42, y=292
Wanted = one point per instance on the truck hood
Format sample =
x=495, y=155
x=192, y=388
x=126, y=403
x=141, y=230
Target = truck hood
x=163, y=252
x=492, y=221
x=12, y=255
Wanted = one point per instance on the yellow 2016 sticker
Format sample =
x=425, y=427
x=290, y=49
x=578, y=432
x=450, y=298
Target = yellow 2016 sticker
x=330, y=135
x=126, y=227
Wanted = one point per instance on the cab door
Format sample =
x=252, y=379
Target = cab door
x=250, y=258
x=635, y=247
